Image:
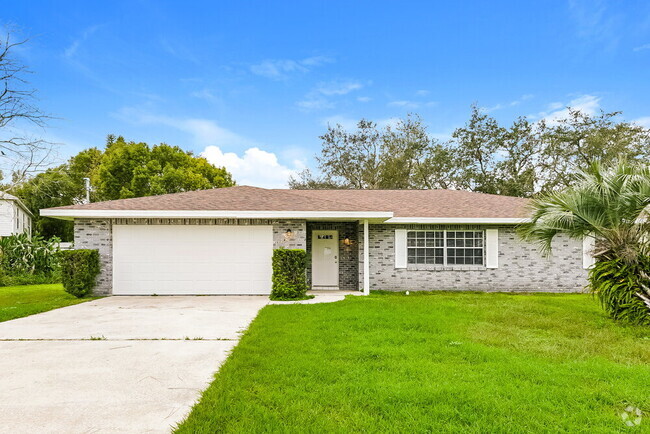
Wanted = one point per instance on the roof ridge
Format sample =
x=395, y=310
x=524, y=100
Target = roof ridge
x=407, y=190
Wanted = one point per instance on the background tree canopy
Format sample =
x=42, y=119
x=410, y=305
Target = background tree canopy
x=522, y=159
x=122, y=170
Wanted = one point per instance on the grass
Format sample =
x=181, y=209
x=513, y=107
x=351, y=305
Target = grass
x=441, y=362
x=25, y=300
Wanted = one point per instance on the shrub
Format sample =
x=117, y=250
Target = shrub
x=79, y=268
x=22, y=254
x=621, y=287
x=289, y=274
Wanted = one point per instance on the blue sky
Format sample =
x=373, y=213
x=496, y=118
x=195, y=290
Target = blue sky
x=253, y=84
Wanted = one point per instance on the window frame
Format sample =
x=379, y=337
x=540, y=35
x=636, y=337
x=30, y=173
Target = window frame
x=445, y=247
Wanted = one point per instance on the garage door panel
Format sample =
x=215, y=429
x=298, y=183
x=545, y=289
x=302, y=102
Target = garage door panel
x=192, y=259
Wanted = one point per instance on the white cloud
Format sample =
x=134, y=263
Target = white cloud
x=72, y=49
x=411, y=104
x=596, y=22
x=205, y=94
x=204, y=131
x=587, y=104
x=255, y=167
x=509, y=104
x=281, y=69
x=644, y=121
x=316, y=60
x=422, y=92
x=642, y=47
x=364, y=99
x=338, y=87
x=179, y=50
x=311, y=103
x=319, y=97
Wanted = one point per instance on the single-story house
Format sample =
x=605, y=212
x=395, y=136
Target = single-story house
x=220, y=241
x=15, y=217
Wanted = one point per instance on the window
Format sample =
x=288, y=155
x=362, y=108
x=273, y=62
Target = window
x=465, y=247
x=425, y=247
x=445, y=247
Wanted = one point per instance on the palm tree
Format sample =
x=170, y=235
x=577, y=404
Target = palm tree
x=613, y=206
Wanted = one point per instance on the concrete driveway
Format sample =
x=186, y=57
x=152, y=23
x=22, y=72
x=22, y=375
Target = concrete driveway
x=119, y=364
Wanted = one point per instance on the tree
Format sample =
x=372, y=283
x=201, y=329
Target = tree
x=130, y=169
x=21, y=152
x=124, y=169
x=58, y=186
x=523, y=159
x=578, y=139
x=611, y=205
x=369, y=157
x=477, y=145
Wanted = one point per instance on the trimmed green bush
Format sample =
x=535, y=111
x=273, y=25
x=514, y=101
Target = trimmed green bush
x=79, y=268
x=289, y=274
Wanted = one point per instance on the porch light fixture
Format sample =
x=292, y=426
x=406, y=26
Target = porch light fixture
x=347, y=241
x=288, y=235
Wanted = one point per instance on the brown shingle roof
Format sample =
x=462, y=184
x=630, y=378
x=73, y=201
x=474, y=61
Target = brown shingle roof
x=427, y=203
x=403, y=203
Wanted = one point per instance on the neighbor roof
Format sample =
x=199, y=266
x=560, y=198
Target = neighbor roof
x=394, y=204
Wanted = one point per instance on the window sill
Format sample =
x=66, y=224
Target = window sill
x=424, y=267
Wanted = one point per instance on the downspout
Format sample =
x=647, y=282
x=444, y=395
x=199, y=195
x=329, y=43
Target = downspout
x=366, y=259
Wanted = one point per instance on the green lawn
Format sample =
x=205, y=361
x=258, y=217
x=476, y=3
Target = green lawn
x=24, y=300
x=441, y=362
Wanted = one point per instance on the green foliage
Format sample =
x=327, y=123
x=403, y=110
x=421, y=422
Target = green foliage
x=522, y=159
x=130, y=169
x=621, y=286
x=394, y=157
x=13, y=279
x=289, y=274
x=25, y=255
x=124, y=169
x=58, y=186
x=611, y=205
x=79, y=268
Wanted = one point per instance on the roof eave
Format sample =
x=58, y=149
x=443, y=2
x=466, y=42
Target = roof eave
x=70, y=214
x=457, y=220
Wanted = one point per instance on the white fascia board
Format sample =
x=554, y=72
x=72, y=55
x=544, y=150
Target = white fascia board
x=457, y=220
x=88, y=213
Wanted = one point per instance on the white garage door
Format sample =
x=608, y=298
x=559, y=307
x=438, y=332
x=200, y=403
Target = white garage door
x=190, y=259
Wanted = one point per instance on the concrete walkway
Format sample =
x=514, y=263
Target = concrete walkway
x=119, y=364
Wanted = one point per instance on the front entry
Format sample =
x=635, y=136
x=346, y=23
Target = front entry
x=325, y=259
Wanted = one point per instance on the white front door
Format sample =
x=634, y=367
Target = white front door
x=325, y=259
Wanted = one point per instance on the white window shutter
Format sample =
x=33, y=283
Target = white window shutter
x=588, y=244
x=492, y=248
x=400, y=248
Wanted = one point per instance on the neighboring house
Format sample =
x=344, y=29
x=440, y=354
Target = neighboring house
x=15, y=218
x=220, y=241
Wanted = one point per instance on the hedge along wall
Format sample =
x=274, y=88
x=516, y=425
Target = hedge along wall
x=79, y=270
x=289, y=274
